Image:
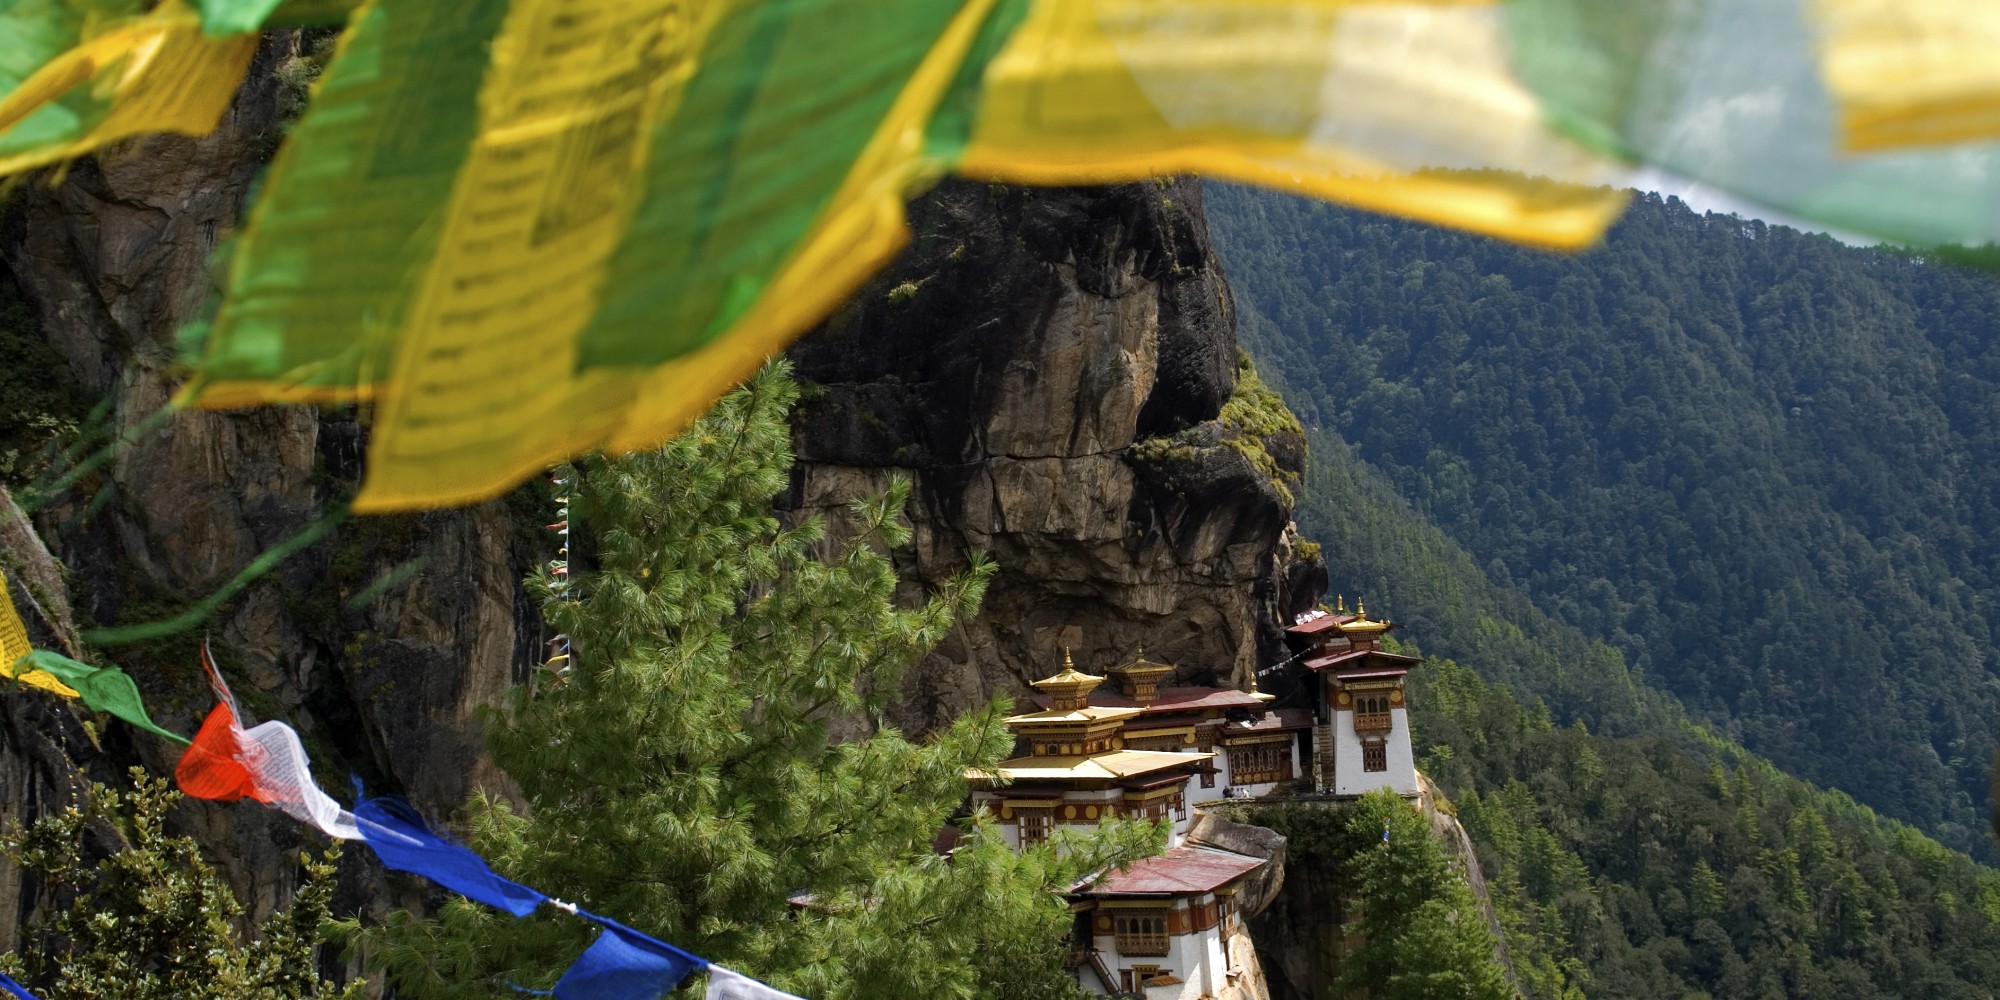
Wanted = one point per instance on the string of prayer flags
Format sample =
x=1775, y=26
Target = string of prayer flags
x=103, y=689
x=138, y=73
x=266, y=763
x=624, y=964
x=653, y=199
x=531, y=228
x=405, y=844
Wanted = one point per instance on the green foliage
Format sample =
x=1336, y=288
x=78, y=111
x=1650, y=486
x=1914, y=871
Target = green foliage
x=152, y=921
x=1763, y=465
x=38, y=413
x=1420, y=932
x=1603, y=433
x=685, y=777
x=1253, y=423
x=1422, y=937
x=1643, y=870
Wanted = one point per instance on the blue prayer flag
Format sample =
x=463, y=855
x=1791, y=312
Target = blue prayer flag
x=624, y=964
x=7, y=983
x=405, y=844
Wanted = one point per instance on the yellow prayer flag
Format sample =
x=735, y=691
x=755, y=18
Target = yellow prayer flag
x=489, y=388
x=14, y=645
x=161, y=74
x=657, y=196
x=1408, y=108
x=1911, y=72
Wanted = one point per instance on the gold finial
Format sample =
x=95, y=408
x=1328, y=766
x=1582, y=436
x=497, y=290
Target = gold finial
x=1067, y=665
x=1142, y=651
x=1340, y=604
x=1360, y=609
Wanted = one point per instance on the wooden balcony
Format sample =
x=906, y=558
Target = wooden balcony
x=1140, y=945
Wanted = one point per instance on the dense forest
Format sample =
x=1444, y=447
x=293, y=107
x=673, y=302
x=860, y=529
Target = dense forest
x=1760, y=464
x=1630, y=867
x=1596, y=803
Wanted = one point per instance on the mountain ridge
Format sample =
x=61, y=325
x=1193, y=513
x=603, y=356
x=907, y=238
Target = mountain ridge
x=1750, y=459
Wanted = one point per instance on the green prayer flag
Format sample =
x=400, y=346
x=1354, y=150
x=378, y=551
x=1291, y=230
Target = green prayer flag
x=750, y=161
x=229, y=17
x=311, y=13
x=350, y=213
x=1729, y=93
x=33, y=33
x=105, y=689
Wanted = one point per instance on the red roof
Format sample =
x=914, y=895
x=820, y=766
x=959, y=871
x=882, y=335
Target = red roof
x=1363, y=658
x=1320, y=624
x=1183, y=871
x=1174, y=699
x=1272, y=722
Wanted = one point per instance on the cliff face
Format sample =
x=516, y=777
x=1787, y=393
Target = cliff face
x=1048, y=368
x=111, y=261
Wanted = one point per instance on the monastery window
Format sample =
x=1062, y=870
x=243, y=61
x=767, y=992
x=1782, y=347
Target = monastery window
x=1260, y=763
x=1374, y=757
x=1225, y=911
x=1140, y=932
x=1034, y=825
x=1180, y=806
x=1134, y=979
x=1208, y=778
x=1371, y=713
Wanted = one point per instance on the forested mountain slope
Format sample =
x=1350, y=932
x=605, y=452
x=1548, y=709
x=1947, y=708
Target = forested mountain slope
x=1630, y=852
x=1762, y=464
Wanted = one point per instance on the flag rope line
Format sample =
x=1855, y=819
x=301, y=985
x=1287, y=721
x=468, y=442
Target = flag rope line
x=267, y=763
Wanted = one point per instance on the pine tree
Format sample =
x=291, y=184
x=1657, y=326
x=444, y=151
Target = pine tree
x=684, y=777
x=152, y=920
x=1421, y=931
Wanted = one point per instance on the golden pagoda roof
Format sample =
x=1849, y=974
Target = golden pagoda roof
x=1362, y=624
x=1259, y=695
x=1071, y=687
x=1115, y=765
x=1141, y=666
x=1089, y=713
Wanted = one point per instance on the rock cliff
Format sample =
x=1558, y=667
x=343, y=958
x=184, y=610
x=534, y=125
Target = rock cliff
x=1051, y=369
x=110, y=259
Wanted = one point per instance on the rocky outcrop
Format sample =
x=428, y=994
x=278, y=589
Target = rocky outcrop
x=1048, y=367
x=1051, y=368
x=1261, y=887
x=113, y=258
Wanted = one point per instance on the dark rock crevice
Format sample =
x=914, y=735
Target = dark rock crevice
x=1007, y=363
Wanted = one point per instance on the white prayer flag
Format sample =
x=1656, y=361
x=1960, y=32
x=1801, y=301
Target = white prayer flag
x=726, y=985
